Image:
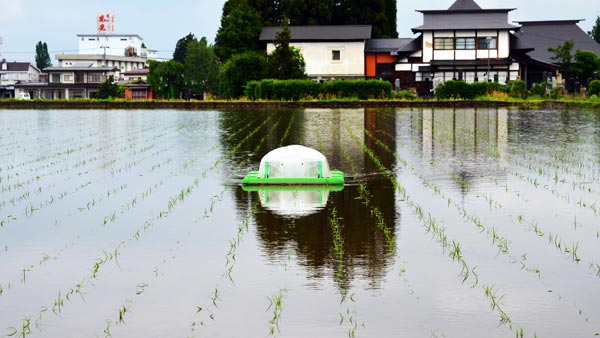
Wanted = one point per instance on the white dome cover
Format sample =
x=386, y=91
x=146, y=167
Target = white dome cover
x=294, y=161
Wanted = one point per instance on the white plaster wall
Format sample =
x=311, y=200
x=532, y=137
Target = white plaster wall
x=465, y=55
x=318, y=58
x=91, y=44
x=427, y=46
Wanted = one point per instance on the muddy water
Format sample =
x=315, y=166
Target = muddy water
x=452, y=223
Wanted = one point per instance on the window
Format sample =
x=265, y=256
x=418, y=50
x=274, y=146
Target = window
x=68, y=77
x=139, y=94
x=336, y=55
x=443, y=43
x=95, y=78
x=482, y=43
x=465, y=43
x=55, y=78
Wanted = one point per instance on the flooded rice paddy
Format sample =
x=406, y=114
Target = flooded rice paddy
x=452, y=223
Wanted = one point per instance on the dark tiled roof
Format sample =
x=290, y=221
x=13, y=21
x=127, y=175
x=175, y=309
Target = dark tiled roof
x=17, y=66
x=386, y=45
x=321, y=33
x=542, y=35
x=460, y=20
x=464, y=5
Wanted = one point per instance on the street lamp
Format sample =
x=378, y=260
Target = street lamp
x=488, y=40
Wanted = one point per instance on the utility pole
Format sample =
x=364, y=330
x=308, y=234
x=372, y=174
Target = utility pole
x=487, y=42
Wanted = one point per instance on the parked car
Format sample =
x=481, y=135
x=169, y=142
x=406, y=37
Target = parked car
x=23, y=96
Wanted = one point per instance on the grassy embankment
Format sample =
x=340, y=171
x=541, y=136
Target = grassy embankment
x=486, y=101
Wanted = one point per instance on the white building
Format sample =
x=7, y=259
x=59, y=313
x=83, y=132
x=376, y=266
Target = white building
x=12, y=73
x=464, y=42
x=131, y=45
x=330, y=52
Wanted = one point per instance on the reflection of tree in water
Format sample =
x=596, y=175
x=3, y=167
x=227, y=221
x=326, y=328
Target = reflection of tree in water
x=366, y=253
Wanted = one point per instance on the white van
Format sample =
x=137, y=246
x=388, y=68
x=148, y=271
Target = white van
x=23, y=96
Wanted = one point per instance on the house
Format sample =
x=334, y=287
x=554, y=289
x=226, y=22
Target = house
x=464, y=42
x=381, y=56
x=330, y=52
x=537, y=36
x=135, y=75
x=138, y=90
x=68, y=83
x=12, y=73
x=123, y=63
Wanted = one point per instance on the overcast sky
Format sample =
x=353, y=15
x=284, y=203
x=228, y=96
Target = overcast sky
x=161, y=23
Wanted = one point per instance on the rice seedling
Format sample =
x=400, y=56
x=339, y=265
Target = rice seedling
x=275, y=302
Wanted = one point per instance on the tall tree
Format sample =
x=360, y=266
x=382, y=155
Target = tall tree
x=181, y=47
x=42, y=57
x=201, y=67
x=586, y=64
x=381, y=14
x=309, y=12
x=240, y=30
x=595, y=33
x=285, y=62
x=239, y=70
x=563, y=55
x=166, y=78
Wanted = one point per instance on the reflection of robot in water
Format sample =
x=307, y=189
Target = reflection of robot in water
x=294, y=181
x=293, y=201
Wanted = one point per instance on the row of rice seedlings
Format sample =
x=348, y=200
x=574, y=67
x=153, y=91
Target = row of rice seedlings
x=556, y=241
x=339, y=275
x=101, y=262
x=570, y=250
x=439, y=232
x=109, y=256
x=276, y=303
x=31, y=208
x=234, y=243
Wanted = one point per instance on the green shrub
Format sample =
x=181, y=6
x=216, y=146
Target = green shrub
x=454, y=89
x=540, y=89
x=404, y=95
x=594, y=88
x=517, y=89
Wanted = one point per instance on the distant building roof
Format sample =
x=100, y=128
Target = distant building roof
x=464, y=5
x=321, y=33
x=386, y=45
x=17, y=66
x=542, y=35
x=465, y=15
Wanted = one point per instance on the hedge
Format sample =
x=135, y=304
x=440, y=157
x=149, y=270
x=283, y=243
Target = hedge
x=295, y=90
x=461, y=90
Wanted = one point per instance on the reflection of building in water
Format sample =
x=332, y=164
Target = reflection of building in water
x=470, y=141
x=324, y=129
